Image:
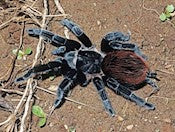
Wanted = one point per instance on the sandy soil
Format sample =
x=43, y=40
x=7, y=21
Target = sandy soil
x=98, y=17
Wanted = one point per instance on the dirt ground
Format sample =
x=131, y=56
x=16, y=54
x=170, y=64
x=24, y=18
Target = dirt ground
x=96, y=18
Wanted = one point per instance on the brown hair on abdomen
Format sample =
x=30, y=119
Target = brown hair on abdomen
x=125, y=66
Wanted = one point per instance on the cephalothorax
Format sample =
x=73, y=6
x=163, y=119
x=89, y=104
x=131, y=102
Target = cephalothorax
x=119, y=65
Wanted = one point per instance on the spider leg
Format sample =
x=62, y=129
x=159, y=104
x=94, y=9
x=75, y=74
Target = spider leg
x=128, y=94
x=113, y=36
x=82, y=80
x=77, y=31
x=55, y=40
x=118, y=36
x=150, y=82
x=68, y=83
x=117, y=41
x=101, y=91
x=42, y=69
x=60, y=50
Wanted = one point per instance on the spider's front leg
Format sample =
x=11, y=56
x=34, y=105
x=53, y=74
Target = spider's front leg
x=66, y=85
x=128, y=94
x=98, y=82
x=118, y=41
x=54, y=66
x=77, y=31
x=63, y=44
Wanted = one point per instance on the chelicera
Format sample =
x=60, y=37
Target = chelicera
x=120, y=65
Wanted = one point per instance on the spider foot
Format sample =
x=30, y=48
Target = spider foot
x=127, y=93
x=154, y=91
x=77, y=31
x=101, y=91
x=153, y=85
x=108, y=108
x=60, y=98
x=25, y=76
x=141, y=102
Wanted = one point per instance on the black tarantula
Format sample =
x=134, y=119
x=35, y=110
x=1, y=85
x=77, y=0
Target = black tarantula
x=120, y=65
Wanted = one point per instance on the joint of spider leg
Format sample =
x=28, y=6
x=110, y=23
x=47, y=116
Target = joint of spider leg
x=153, y=75
x=137, y=99
x=77, y=31
x=34, y=32
x=59, y=50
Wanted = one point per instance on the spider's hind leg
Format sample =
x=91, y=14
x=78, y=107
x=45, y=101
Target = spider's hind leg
x=128, y=94
x=149, y=81
x=42, y=69
x=77, y=31
x=101, y=91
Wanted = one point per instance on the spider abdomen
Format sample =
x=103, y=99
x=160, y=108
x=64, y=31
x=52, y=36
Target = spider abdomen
x=125, y=66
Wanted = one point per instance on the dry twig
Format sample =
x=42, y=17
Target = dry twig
x=28, y=93
x=61, y=10
x=39, y=47
x=160, y=97
x=71, y=100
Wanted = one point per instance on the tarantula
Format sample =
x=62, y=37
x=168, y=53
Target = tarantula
x=120, y=65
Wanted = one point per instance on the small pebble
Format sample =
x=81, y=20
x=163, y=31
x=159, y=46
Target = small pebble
x=157, y=130
x=66, y=127
x=53, y=88
x=94, y=4
x=79, y=107
x=129, y=127
x=98, y=22
x=167, y=120
x=51, y=124
x=145, y=120
x=168, y=66
x=120, y=118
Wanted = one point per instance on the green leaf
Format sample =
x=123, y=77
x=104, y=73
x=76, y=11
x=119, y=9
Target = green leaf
x=19, y=57
x=37, y=110
x=168, y=15
x=163, y=17
x=28, y=51
x=14, y=51
x=42, y=121
x=169, y=8
x=72, y=129
x=19, y=52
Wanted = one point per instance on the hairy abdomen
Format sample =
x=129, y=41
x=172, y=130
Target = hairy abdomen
x=126, y=67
